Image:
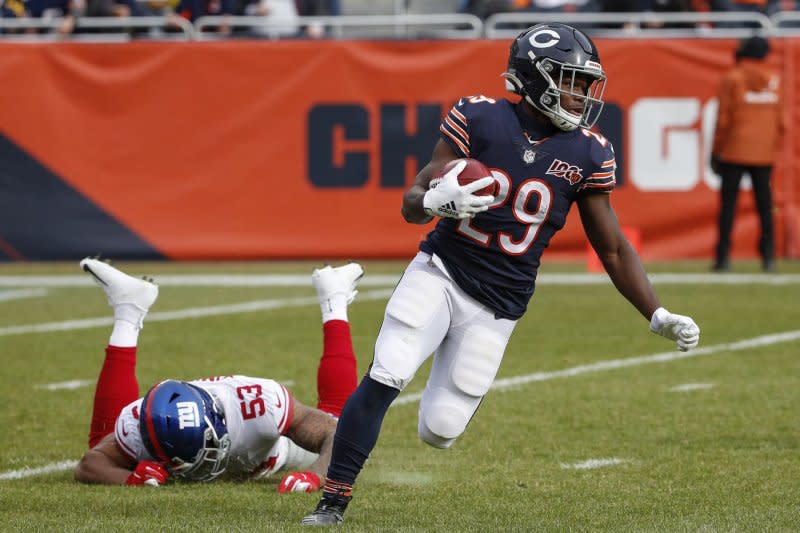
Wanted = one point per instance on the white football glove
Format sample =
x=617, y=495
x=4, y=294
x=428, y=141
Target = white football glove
x=675, y=327
x=448, y=198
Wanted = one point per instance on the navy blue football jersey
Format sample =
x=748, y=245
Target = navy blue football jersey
x=541, y=170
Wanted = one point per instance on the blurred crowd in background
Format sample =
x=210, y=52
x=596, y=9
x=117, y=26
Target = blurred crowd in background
x=484, y=8
x=287, y=11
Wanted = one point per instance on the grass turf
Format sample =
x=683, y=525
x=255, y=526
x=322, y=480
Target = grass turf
x=723, y=458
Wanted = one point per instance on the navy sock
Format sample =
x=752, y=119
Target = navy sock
x=358, y=429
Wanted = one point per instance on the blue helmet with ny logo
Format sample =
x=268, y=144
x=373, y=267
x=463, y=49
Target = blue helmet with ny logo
x=183, y=426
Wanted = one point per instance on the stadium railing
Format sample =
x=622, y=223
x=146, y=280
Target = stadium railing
x=637, y=25
x=409, y=26
x=439, y=26
x=157, y=28
x=787, y=22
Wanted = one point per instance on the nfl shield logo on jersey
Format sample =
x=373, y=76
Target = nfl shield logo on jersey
x=528, y=156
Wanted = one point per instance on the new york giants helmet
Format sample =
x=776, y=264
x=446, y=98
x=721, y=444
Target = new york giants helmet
x=184, y=426
x=545, y=62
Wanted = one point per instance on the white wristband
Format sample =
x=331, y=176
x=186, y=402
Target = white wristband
x=657, y=320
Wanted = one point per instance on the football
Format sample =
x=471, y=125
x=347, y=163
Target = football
x=474, y=170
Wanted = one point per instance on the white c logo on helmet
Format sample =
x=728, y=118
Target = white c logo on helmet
x=554, y=38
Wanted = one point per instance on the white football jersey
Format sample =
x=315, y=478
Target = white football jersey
x=257, y=413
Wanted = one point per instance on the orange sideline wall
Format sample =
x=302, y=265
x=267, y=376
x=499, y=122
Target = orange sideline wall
x=289, y=149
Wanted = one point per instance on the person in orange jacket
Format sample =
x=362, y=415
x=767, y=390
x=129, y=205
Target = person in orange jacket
x=750, y=126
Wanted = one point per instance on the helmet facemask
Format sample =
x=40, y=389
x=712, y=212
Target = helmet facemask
x=561, y=79
x=210, y=462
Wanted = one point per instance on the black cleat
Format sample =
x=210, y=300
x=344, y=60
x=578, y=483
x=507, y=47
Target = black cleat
x=329, y=511
x=721, y=266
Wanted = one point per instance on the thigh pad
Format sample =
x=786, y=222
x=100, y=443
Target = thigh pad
x=417, y=299
x=477, y=361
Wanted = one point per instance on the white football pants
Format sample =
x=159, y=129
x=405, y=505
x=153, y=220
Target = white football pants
x=429, y=313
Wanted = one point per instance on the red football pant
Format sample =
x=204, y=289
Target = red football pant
x=336, y=376
x=116, y=388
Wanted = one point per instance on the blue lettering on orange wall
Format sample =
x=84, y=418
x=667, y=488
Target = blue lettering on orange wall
x=397, y=146
x=329, y=163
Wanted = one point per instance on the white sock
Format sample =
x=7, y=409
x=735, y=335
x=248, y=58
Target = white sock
x=334, y=308
x=124, y=335
x=128, y=321
x=130, y=313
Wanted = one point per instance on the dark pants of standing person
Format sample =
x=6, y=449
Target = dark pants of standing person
x=731, y=176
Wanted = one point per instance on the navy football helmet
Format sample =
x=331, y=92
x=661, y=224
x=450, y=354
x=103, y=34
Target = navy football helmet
x=184, y=426
x=544, y=63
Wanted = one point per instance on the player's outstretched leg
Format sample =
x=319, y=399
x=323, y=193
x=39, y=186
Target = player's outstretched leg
x=337, y=372
x=130, y=299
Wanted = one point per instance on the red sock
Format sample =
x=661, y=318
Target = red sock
x=116, y=388
x=336, y=376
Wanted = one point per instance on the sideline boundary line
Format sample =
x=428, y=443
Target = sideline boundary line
x=384, y=280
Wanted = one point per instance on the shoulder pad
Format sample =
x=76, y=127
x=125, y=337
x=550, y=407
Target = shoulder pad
x=461, y=123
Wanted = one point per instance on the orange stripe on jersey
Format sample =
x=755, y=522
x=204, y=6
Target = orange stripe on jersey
x=599, y=186
x=608, y=163
x=459, y=130
x=460, y=145
x=600, y=175
x=461, y=118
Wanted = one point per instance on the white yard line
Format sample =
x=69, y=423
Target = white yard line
x=21, y=294
x=593, y=463
x=611, y=364
x=46, y=469
x=66, y=385
x=513, y=382
x=383, y=280
x=79, y=383
x=180, y=314
x=687, y=387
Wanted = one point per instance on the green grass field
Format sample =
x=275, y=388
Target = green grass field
x=721, y=456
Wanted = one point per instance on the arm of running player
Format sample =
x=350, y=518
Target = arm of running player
x=625, y=269
x=412, y=209
x=313, y=430
x=617, y=255
x=105, y=464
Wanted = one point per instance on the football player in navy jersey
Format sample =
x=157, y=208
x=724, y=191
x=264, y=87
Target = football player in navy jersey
x=463, y=293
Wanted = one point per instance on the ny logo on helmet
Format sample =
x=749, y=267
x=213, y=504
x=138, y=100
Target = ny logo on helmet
x=571, y=173
x=188, y=415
